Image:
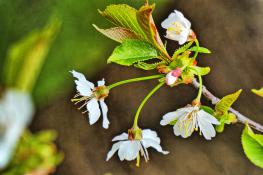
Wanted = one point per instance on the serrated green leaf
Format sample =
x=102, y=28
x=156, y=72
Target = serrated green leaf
x=182, y=49
x=147, y=66
x=258, y=92
x=199, y=70
x=226, y=102
x=200, y=49
x=253, y=146
x=132, y=51
x=125, y=16
x=118, y=34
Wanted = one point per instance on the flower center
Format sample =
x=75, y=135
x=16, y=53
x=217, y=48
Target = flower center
x=176, y=27
x=101, y=92
x=188, y=124
x=134, y=134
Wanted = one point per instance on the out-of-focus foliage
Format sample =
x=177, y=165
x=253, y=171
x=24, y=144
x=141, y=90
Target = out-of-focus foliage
x=26, y=57
x=78, y=45
x=35, y=154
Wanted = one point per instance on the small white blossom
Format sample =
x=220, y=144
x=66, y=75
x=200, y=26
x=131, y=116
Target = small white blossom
x=129, y=147
x=93, y=98
x=178, y=27
x=189, y=119
x=16, y=111
x=172, y=76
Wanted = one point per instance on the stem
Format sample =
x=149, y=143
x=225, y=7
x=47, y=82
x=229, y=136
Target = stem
x=198, y=98
x=241, y=118
x=134, y=80
x=196, y=52
x=135, y=123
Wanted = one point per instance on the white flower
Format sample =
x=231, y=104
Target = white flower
x=129, y=148
x=189, y=119
x=172, y=76
x=93, y=98
x=16, y=111
x=178, y=27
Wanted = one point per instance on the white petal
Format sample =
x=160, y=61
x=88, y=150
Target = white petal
x=94, y=111
x=206, y=128
x=208, y=117
x=176, y=129
x=82, y=78
x=150, y=134
x=104, y=109
x=156, y=145
x=101, y=82
x=123, y=136
x=16, y=113
x=182, y=19
x=170, y=79
x=83, y=88
x=114, y=148
x=129, y=150
x=171, y=116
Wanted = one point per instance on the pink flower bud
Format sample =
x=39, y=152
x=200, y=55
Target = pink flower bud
x=177, y=72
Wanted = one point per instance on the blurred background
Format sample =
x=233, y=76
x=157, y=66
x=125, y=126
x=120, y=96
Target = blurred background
x=231, y=29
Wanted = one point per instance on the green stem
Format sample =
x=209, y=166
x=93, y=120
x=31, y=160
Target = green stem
x=135, y=123
x=198, y=98
x=134, y=80
x=197, y=45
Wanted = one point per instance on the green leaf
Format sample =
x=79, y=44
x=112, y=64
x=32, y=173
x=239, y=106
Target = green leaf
x=182, y=49
x=207, y=109
x=258, y=92
x=226, y=102
x=132, y=51
x=199, y=70
x=26, y=57
x=226, y=118
x=125, y=16
x=118, y=34
x=145, y=20
x=147, y=66
x=200, y=49
x=253, y=146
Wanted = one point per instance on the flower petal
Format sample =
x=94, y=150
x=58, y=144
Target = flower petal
x=101, y=82
x=151, y=143
x=82, y=78
x=170, y=79
x=114, y=148
x=123, y=136
x=129, y=150
x=104, y=108
x=16, y=112
x=208, y=117
x=83, y=88
x=94, y=111
x=206, y=128
x=171, y=116
x=150, y=134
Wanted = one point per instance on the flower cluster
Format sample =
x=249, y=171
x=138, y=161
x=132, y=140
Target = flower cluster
x=181, y=68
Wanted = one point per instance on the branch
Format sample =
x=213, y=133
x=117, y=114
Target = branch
x=241, y=118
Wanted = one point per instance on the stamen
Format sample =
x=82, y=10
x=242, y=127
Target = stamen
x=138, y=160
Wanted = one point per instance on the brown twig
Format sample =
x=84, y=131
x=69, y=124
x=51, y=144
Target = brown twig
x=241, y=118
